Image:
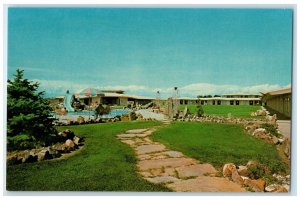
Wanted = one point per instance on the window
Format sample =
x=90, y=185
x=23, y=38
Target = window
x=237, y=103
x=181, y=102
x=231, y=102
x=219, y=102
x=202, y=102
x=251, y=103
x=214, y=102
x=185, y=102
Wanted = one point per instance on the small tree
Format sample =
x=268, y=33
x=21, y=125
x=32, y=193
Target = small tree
x=29, y=122
x=200, y=111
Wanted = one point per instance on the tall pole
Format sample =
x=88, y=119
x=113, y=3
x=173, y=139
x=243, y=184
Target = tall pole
x=175, y=96
x=158, y=99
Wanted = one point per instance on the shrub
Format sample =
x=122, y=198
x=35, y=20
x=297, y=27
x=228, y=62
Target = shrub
x=200, y=111
x=270, y=129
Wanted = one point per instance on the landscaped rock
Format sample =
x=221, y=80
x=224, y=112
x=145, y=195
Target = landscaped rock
x=256, y=185
x=76, y=140
x=262, y=134
x=44, y=155
x=236, y=177
x=163, y=179
x=80, y=120
x=275, y=140
x=275, y=188
x=252, y=164
x=70, y=145
x=67, y=134
x=261, y=113
x=13, y=160
x=243, y=170
x=28, y=157
x=228, y=168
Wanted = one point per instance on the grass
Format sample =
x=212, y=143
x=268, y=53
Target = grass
x=104, y=164
x=223, y=110
x=218, y=144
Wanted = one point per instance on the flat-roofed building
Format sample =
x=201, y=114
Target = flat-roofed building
x=279, y=101
x=228, y=99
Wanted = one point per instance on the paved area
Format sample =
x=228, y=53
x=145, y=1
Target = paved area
x=149, y=114
x=160, y=165
x=284, y=126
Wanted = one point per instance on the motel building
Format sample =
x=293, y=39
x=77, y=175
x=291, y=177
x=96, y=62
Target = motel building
x=228, y=99
x=278, y=101
x=114, y=97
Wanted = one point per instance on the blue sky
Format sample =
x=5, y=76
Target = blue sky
x=202, y=51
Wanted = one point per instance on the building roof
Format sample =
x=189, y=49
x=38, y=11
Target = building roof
x=279, y=92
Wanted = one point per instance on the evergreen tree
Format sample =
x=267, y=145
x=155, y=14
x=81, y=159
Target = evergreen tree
x=29, y=122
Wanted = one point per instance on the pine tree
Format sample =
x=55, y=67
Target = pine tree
x=29, y=123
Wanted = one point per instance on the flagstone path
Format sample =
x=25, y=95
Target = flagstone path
x=159, y=165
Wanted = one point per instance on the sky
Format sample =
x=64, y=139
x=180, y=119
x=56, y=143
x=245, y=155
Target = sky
x=144, y=50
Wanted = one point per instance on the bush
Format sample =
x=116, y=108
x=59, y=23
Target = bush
x=29, y=121
x=200, y=111
x=270, y=129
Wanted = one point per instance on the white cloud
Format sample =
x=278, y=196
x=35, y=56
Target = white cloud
x=59, y=87
x=125, y=88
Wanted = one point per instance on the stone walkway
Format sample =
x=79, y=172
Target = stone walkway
x=159, y=165
x=284, y=127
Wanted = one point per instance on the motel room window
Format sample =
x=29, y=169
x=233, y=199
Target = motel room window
x=214, y=102
x=251, y=103
x=237, y=103
x=185, y=102
x=231, y=102
x=181, y=102
x=219, y=102
x=202, y=102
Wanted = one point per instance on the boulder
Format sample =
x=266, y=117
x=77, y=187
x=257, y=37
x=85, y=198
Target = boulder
x=13, y=159
x=256, y=185
x=243, y=170
x=69, y=122
x=80, y=120
x=227, y=169
x=275, y=140
x=275, y=188
x=124, y=118
x=76, y=140
x=236, y=177
x=253, y=114
x=44, y=155
x=185, y=112
x=66, y=134
x=262, y=134
x=29, y=157
x=261, y=113
x=252, y=164
x=70, y=144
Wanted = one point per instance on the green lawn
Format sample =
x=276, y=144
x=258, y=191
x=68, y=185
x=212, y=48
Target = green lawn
x=104, y=164
x=223, y=110
x=218, y=144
